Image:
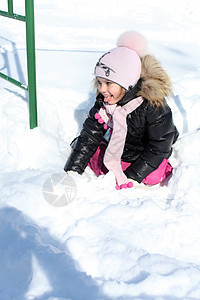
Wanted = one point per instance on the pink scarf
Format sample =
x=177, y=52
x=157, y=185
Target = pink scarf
x=115, y=117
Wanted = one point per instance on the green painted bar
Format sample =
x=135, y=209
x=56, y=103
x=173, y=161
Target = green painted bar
x=30, y=46
x=13, y=81
x=10, y=6
x=12, y=16
x=30, y=49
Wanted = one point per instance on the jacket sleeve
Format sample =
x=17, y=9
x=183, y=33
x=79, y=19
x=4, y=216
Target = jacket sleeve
x=85, y=145
x=159, y=136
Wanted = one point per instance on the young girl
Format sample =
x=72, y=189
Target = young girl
x=131, y=108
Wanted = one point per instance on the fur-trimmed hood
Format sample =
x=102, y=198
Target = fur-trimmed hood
x=156, y=84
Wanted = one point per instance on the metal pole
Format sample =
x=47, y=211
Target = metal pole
x=30, y=46
x=10, y=6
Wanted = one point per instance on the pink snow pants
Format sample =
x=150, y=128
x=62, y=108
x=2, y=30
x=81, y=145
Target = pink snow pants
x=161, y=173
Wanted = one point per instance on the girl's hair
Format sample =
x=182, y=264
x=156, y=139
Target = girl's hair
x=95, y=84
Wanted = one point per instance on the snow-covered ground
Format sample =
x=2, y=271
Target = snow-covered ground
x=106, y=244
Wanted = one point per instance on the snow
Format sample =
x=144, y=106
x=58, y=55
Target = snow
x=106, y=244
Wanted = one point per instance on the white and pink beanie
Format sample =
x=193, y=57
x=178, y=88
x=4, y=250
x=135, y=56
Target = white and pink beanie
x=122, y=65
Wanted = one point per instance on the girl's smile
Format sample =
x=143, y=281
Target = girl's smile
x=111, y=91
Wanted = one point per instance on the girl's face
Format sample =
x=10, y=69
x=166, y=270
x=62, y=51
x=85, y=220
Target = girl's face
x=111, y=91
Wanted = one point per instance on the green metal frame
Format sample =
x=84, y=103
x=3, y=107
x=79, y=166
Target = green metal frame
x=30, y=51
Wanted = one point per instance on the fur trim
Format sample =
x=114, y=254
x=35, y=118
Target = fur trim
x=156, y=84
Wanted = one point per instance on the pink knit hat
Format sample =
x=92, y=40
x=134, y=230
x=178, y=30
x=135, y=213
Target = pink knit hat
x=122, y=65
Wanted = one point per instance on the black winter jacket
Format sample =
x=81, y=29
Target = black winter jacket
x=149, y=140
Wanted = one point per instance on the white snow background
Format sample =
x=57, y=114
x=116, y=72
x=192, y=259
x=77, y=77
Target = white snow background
x=106, y=244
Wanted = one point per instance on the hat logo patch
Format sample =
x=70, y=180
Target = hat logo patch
x=106, y=69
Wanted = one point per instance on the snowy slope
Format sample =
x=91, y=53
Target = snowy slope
x=106, y=244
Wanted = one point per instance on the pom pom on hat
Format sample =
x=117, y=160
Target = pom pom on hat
x=134, y=41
